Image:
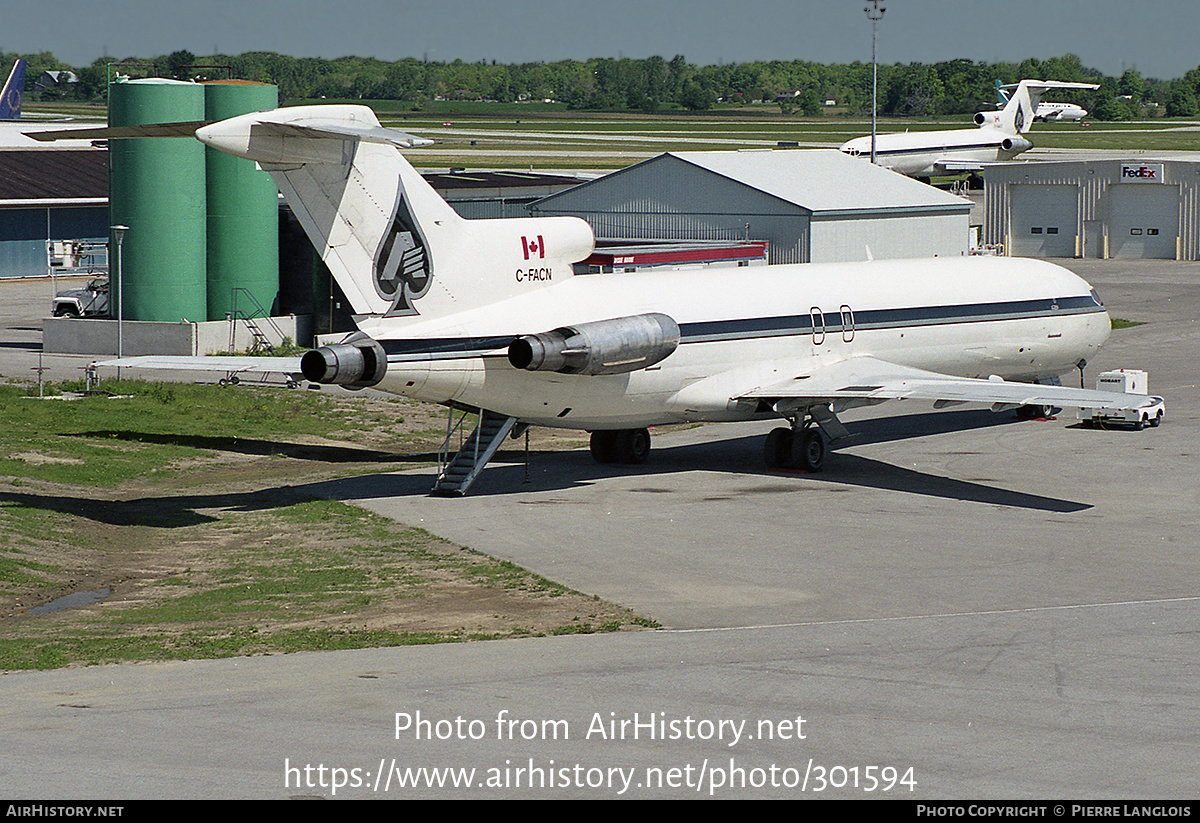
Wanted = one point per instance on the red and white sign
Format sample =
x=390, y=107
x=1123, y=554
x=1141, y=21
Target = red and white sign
x=534, y=247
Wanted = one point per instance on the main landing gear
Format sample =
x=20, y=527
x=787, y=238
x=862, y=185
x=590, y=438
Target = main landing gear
x=621, y=446
x=795, y=449
x=799, y=448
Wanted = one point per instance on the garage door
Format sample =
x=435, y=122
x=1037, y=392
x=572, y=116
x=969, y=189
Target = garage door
x=1043, y=220
x=1143, y=221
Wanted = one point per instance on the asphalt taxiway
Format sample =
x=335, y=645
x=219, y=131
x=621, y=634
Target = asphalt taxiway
x=960, y=606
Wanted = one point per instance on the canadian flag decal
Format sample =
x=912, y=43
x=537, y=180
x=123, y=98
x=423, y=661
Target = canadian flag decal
x=535, y=247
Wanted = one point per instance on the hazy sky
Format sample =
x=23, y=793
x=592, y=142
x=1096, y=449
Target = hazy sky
x=1160, y=38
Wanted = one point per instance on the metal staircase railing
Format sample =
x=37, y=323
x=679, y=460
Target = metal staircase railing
x=457, y=473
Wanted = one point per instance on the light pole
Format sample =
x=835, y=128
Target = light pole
x=119, y=233
x=874, y=14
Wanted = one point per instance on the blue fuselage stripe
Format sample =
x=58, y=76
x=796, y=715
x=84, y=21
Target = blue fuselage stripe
x=788, y=325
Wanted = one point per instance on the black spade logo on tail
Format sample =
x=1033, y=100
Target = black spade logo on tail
x=403, y=269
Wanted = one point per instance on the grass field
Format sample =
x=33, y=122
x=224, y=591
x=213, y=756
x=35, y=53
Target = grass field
x=185, y=512
x=549, y=136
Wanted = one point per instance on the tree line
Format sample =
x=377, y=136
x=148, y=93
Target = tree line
x=649, y=85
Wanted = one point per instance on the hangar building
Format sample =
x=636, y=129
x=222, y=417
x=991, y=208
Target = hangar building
x=812, y=206
x=50, y=195
x=1127, y=209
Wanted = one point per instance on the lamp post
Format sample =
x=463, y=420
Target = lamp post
x=119, y=233
x=874, y=14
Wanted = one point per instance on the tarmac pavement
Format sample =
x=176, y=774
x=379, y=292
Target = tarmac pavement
x=962, y=605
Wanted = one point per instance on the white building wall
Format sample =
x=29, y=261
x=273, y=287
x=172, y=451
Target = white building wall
x=1101, y=193
x=670, y=199
x=883, y=238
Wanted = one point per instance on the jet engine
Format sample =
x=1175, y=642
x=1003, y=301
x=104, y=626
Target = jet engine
x=987, y=118
x=1015, y=144
x=617, y=346
x=356, y=363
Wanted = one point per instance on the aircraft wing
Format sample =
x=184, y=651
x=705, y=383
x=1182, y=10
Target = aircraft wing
x=866, y=380
x=235, y=365
x=958, y=165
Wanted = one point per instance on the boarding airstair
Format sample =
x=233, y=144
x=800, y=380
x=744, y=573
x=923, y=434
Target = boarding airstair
x=455, y=475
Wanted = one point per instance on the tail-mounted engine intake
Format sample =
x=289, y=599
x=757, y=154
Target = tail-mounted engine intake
x=617, y=346
x=356, y=363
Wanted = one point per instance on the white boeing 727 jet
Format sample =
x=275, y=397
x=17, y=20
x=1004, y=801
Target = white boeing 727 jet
x=487, y=314
x=999, y=136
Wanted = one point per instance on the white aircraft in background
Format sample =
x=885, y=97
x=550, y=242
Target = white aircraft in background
x=488, y=315
x=999, y=136
x=1045, y=112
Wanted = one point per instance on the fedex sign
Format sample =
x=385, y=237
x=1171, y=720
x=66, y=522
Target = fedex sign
x=1142, y=173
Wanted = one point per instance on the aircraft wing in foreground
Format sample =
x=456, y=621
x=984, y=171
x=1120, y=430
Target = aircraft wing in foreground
x=232, y=367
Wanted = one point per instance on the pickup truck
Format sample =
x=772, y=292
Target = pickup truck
x=89, y=301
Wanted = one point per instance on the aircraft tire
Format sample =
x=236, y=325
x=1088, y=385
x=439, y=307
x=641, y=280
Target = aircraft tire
x=808, y=450
x=603, y=445
x=777, y=450
x=633, y=446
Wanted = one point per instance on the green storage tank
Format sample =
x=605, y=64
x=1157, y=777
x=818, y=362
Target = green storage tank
x=243, y=212
x=157, y=189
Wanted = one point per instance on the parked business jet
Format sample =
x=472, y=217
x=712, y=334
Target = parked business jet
x=14, y=92
x=487, y=314
x=1046, y=112
x=999, y=137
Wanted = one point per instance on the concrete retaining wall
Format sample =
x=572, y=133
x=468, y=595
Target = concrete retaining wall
x=68, y=335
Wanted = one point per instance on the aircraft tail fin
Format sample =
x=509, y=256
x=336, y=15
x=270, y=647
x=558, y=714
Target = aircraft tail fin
x=1018, y=113
x=14, y=92
x=393, y=244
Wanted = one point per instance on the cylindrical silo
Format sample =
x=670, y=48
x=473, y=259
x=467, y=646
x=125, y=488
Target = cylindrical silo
x=243, y=212
x=157, y=189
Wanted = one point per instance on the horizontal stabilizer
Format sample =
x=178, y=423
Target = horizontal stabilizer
x=183, y=129
x=366, y=134
x=1042, y=86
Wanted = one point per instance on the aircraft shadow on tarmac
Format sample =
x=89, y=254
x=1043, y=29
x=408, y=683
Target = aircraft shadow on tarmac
x=549, y=471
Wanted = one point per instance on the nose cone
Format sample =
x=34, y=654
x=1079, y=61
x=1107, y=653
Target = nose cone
x=857, y=146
